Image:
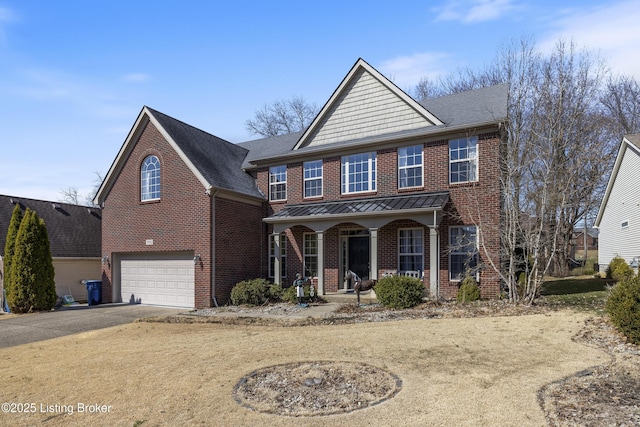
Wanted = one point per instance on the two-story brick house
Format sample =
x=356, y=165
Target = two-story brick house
x=378, y=184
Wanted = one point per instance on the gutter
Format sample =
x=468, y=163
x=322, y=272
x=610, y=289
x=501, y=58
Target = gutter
x=212, y=193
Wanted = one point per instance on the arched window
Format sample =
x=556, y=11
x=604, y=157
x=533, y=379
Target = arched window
x=150, y=179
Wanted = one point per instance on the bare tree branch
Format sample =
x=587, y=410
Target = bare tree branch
x=282, y=117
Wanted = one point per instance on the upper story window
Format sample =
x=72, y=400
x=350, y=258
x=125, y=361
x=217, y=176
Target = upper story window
x=278, y=183
x=359, y=173
x=410, y=166
x=463, y=155
x=463, y=251
x=313, y=178
x=150, y=179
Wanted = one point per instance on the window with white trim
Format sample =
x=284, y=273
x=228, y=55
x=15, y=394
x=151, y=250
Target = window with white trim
x=410, y=249
x=359, y=173
x=283, y=256
x=310, y=254
x=410, y=166
x=463, y=156
x=278, y=183
x=313, y=178
x=463, y=251
x=150, y=179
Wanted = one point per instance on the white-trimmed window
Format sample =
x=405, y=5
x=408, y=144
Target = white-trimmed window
x=150, y=179
x=278, y=183
x=463, y=251
x=410, y=166
x=310, y=254
x=359, y=173
x=410, y=249
x=283, y=255
x=463, y=156
x=313, y=178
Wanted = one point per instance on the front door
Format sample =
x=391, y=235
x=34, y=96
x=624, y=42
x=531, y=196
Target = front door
x=355, y=256
x=359, y=256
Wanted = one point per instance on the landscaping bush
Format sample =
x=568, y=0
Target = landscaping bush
x=619, y=270
x=10, y=246
x=399, y=291
x=290, y=293
x=623, y=307
x=255, y=292
x=469, y=290
x=32, y=275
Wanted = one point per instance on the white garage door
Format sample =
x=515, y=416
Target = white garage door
x=158, y=282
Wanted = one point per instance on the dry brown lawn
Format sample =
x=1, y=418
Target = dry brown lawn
x=468, y=371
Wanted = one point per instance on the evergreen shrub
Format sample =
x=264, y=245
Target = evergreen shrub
x=623, y=307
x=254, y=292
x=290, y=294
x=32, y=275
x=10, y=245
x=619, y=270
x=469, y=290
x=399, y=291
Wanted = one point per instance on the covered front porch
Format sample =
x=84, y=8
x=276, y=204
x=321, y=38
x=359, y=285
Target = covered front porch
x=372, y=237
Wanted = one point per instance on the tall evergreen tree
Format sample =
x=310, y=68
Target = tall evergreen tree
x=32, y=274
x=10, y=244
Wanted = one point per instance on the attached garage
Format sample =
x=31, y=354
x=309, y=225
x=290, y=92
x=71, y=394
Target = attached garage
x=157, y=279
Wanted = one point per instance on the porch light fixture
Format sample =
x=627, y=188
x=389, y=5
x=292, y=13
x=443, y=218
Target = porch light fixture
x=196, y=260
x=105, y=259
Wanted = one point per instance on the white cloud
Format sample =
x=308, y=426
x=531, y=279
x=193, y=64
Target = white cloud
x=6, y=16
x=135, y=77
x=612, y=30
x=473, y=11
x=406, y=71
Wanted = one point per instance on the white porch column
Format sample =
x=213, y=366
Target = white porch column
x=434, y=261
x=320, y=237
x=277, y=270
x=373, y=254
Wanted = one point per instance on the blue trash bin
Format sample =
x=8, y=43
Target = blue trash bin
x=94, y=291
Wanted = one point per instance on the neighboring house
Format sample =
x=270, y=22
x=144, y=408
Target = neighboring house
x=378, y=183
x=74, y=236
x=619, y=216
x=578, y=240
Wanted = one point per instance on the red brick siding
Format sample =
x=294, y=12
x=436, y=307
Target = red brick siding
x=179, y=221
x=473, y=203
x=238, y=245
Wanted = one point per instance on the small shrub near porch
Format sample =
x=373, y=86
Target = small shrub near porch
x=399, y=291
x=469, y=290
x=255, y=292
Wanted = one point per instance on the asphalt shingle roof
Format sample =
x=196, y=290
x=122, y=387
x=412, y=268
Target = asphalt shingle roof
x=488, y=104
x=219, y=161
x=475, y=107
x=74, y=231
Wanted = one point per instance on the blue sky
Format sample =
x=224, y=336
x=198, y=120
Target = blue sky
x=75, y=74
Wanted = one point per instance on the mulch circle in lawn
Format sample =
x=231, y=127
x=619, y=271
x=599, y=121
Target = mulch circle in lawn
x=316, y=388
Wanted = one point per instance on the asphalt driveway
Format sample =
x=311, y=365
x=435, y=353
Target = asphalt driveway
x=27, y=328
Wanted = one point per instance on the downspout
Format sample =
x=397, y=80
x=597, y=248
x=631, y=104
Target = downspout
x=212, y=194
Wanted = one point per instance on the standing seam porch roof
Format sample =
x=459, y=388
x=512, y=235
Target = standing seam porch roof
x=359, y=207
